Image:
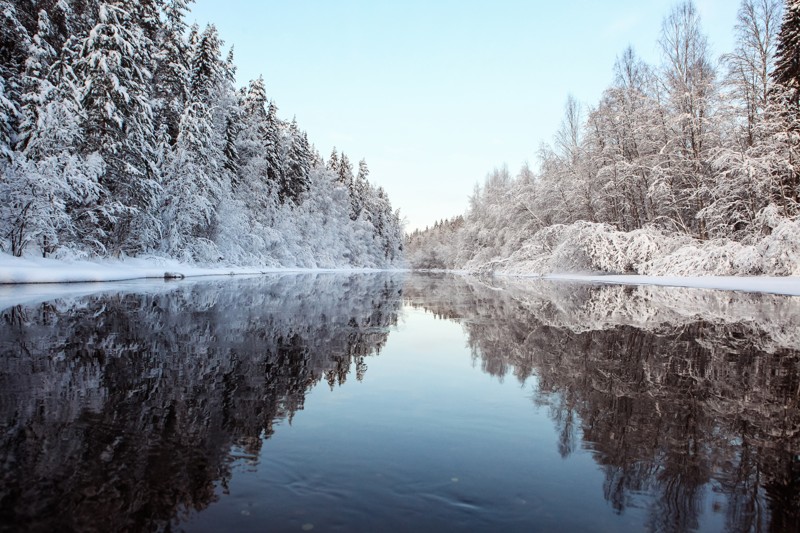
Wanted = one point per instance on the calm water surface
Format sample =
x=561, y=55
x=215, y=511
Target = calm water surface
x=388, y=402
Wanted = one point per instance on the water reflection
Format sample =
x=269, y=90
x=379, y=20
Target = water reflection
x=119, y=412
x=127, y=411
x=687, y=399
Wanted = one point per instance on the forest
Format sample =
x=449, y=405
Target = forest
x=686, y=167
x=123, y=133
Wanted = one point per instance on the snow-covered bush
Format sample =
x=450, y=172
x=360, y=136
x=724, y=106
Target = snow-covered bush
x=721, y=257
x=780, y=250
x=52, y=202
x=776, y=254
x=586, y=247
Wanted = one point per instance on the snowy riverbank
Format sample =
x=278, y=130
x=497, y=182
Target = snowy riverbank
x=31, y=279
x=16, y=270
x=29, y=270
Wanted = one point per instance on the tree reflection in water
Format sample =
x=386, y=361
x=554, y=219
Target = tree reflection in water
x=127, y=411
x=121, y=412
x=685, y=397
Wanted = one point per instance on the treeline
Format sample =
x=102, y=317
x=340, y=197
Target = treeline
x=689, y=166
x=122, y=133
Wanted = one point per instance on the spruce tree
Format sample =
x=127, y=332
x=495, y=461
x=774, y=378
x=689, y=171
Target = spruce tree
x=8, y=112
x=231, y=151
x=297, y=165
x=247, y=127
x=271, y=136
x=787, y=57
x=360, y=192
x=787, y=96
x=206, y=69
x=118, y=122
x=14, y=45
x=171, y=75
x=35, y=83
x=344, y=172
x=333, y=162
x=194, y=187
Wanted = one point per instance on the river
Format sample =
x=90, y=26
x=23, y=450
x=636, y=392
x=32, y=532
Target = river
x=398, y=402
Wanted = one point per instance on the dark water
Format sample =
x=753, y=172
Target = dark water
x=385, y=402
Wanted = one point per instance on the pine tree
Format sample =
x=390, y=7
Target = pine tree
x=247, y=128
x=255, y=101
x=147, y=14
x=229, y=68
x=360, y=193
x=35, y=81
x=253, y=190
x=787, y=97
x=231, y=151
x=344, y=172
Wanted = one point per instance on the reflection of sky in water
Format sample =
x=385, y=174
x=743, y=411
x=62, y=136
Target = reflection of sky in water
x=539, y=406
x=426, y=440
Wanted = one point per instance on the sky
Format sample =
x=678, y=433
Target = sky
x=434, y=94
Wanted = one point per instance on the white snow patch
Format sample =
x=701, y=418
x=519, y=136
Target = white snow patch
x=17, y=270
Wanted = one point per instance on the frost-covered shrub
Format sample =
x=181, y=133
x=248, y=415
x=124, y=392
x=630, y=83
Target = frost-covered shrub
x=721, y=257
x=780, y=250
x=609, y=250
x=587, y=247
x=53, y=202
x=777, y=254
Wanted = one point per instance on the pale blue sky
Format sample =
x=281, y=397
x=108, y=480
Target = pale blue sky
x=435, y=93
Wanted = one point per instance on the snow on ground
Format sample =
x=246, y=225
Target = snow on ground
x=41, y=270
x=15, y=270
x=19, y=277
x=31, y=280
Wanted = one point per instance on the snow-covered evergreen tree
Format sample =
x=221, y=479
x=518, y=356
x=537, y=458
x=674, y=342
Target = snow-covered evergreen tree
x=171, y=73
x=8, y=114
x=193, y=188
x=297, y=165
x=114, y=91
x=206, y=70
x=273, y=156
x=122, y=132
x=787, y=60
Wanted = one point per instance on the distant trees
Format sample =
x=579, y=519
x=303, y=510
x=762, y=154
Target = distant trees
x=122, y=132
x=684, y=154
